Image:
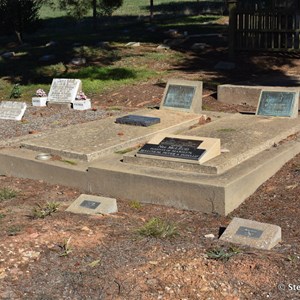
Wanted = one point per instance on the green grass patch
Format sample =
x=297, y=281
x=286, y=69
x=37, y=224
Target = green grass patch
x=2, y=216
x=158, y=228
x=7, y=194
x=70, y=162
x=13, y=230
x=135, y=204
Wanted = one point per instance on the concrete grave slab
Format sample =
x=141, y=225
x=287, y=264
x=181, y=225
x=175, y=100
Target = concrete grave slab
x=278, y=104
x=251, y=233
x=91, y=140
x=12, y=110
x=64, y=90
x=181, y=148
x=93, y=205
x=183, y=95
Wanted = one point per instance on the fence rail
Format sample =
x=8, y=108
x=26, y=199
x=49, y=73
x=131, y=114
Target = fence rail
x=275, y=30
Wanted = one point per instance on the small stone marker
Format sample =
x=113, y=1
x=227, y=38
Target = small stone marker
x=252, y=233
x=138, y=120
x=64, y=90
x=278, y=104
x=179, y=147
x=11, y=110
x=133, y=44
x=93, y=205
x=183, y=95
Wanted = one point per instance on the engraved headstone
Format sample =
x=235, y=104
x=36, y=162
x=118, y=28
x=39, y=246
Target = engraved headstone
x=138, y=120
x=278, y=104
x=12, y=110
x=64, y=90
x=180, y=147
x=90, y=204
x=183, y=95
x=252, y=233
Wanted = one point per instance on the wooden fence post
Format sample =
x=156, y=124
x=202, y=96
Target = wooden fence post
x=232, y=28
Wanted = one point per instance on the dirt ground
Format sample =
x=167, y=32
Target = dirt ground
x=72, y=256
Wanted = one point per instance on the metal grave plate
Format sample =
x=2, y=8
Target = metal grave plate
x=138, y=120
x=175, y=148
x=90, y=204
x=249, y=232
x=179, y=96
x=277, y=104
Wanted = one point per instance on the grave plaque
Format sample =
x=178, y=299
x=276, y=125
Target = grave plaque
x=90, y=204
x=278, y=104
x=251, y=233
x=183, y=95
x=175, y=148
x=64, y=90
x=11, y=110
x=182, y=148
x=138, y=120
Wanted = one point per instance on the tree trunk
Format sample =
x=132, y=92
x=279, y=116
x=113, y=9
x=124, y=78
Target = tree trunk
x=151, y=10
x=19, y=37
x=94, y=3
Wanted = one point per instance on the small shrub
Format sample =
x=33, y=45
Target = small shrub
x=223, y=254
x=65, y=247
x=13, y=230
x=40, y=212
x=7, y=193
x=16, y=92
x=135, y=204
x=158, y=228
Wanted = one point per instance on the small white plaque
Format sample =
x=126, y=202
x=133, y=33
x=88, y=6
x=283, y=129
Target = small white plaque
x=64, y=90
x=11, y=110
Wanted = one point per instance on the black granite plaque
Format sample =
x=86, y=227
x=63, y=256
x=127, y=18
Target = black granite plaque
x=179, y=96
x=277, y=104
x=90, y=204
x=249, y=232
x=175, y=148
x=138, y=120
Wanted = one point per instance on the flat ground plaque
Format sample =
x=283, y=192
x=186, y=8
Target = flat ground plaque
x=138, y=120
x=11, y=110
x=90, y=204
x=278, y=104
x=64, y=90
x=180, y=147
x=251, y=233
x=183, y=95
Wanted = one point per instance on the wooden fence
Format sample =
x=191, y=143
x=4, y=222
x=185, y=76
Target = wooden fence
x=267, y=30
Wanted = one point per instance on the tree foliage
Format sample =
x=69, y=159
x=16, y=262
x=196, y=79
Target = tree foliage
x=19, y=16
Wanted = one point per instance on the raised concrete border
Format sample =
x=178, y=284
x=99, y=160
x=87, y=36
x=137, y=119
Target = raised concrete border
x=111, y=177
x=252, y=233
x=246, y=94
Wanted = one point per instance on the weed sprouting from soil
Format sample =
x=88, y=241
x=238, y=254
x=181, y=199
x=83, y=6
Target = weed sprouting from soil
x=158, y=228
x=65, y=247
x=135, y=204
x=223, y=254
x=40, y=212
x=7, y=193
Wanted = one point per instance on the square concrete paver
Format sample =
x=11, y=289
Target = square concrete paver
x=93, y=205
x=251, y=233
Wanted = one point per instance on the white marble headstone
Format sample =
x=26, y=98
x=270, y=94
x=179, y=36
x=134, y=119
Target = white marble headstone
x=12, y=110
x=64, y=90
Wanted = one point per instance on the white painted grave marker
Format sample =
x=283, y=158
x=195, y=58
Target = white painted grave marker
x=64, y=90
x=11, y=110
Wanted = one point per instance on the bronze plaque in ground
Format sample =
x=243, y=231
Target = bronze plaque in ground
x=184, y=95
x=91, y=204
x=138, y=120
x=251, y=233
x=278, y=104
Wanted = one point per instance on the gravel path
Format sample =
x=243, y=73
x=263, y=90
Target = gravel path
x=38, y=119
